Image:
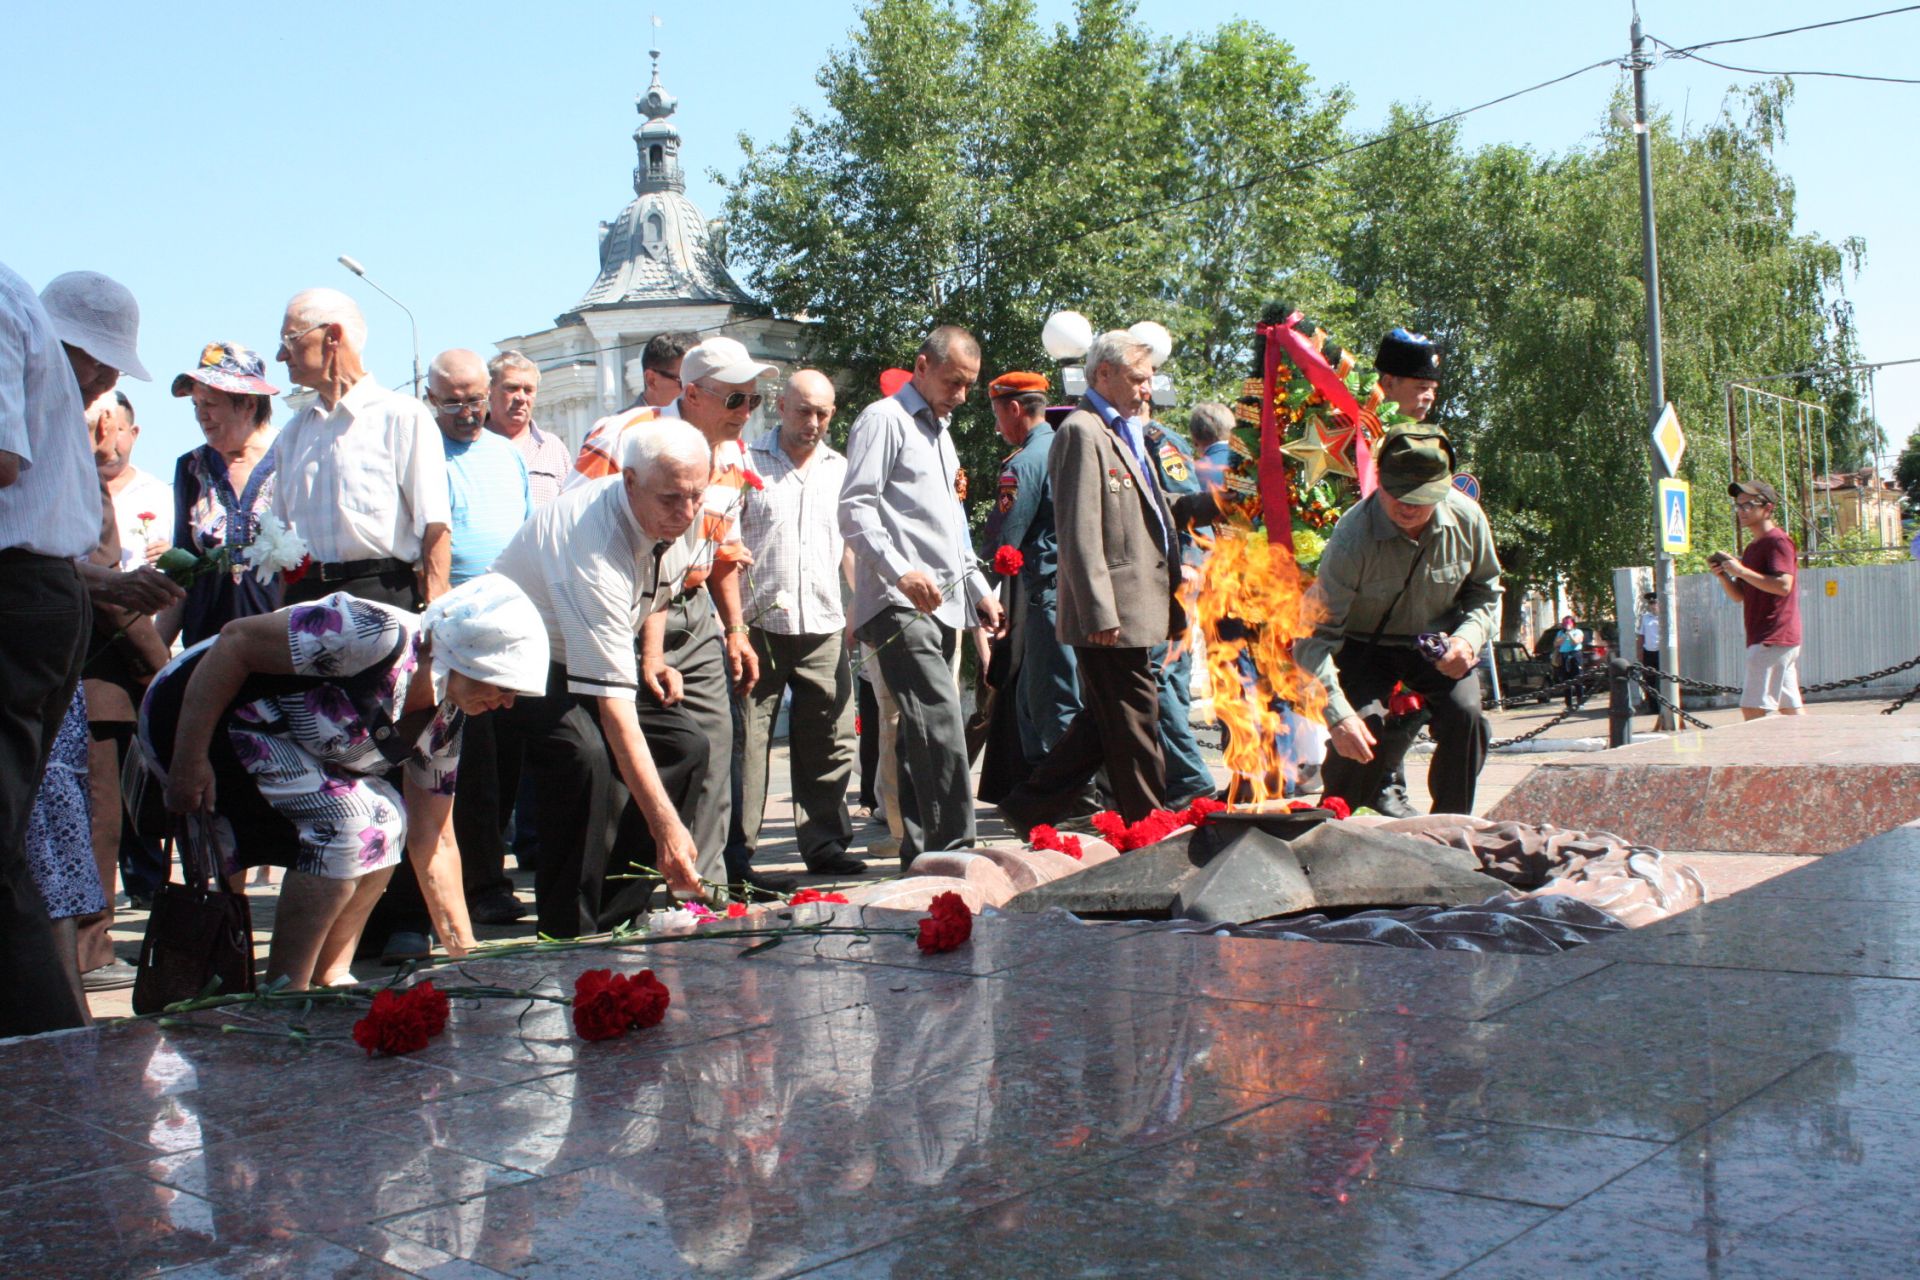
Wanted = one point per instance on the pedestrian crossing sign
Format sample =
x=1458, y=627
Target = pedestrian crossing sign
x=1676, y=524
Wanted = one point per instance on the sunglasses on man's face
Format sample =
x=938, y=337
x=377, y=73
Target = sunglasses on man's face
x=1753, y=504
x=734, y=399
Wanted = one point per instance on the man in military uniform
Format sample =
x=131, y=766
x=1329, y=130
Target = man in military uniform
x=1046, y=693
x=1409, y=369
x=1187, y=774
x=1414, y=559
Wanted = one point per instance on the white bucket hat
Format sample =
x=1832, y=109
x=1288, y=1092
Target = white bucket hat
x=99, y=316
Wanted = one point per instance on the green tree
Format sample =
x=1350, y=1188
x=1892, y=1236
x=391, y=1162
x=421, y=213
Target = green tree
x=1906, y=472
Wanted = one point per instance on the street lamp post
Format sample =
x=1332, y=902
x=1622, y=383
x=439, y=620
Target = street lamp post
x=354, y=266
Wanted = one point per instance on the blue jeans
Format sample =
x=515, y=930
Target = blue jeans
x=1048, y=696
x=1187, y=772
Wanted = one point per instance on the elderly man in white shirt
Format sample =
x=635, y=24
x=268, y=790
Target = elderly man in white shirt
x=791, y=525
x=597, y=562
x=362, y=476
x=49, y=515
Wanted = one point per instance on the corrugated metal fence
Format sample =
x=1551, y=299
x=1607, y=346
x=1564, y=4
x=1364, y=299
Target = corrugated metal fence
x=1853, y=620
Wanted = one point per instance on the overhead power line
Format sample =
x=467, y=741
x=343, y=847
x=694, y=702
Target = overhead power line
x=1691, y=56
x=1788, y=31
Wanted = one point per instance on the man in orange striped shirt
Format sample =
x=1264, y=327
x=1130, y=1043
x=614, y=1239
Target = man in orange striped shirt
x=685, y=658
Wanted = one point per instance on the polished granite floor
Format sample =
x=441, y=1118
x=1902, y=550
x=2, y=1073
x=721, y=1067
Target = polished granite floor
x=1730, y=1093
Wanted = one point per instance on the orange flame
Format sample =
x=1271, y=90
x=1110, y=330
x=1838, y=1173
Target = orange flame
x=1252, y=600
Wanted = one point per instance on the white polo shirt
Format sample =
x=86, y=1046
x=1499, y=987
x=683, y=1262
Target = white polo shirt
x=595, y=575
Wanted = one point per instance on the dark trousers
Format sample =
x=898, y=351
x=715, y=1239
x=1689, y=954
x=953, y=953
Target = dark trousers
x=915, y=655
x=868, y=712
x=1118, y=727
x=41, y=648
x=1460, y=733
x=482, y=800
x=590, y=837
x=1188, y=776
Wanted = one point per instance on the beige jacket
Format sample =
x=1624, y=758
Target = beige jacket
x=1114, y=571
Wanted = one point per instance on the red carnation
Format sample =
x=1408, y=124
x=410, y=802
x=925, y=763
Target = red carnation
x=1043, y=837
x=1070, y=845
x=402, y=1021
x=735, y=910
x=299, y=571
x=1404, y=702
x=1007, y=561
x=1336, y=806
x=606, y=1004
x=1112, y=828
x=1201, y=809
x=643, y=999
x=949, y=923
x=753, y=481
x=597, y=1014
x=805, y=896
x=147, y=517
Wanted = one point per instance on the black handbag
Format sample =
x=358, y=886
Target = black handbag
x=198, y=932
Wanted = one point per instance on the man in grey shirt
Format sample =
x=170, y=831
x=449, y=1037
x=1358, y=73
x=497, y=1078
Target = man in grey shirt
x=1415, y=557
x=916, y=582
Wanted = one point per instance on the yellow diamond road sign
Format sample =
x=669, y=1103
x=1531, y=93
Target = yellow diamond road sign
x=1669, y=439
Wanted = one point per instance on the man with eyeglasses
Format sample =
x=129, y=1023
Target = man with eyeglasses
x=361, y=476
x=1762, y=579
x=490, y=498
x=687, y=661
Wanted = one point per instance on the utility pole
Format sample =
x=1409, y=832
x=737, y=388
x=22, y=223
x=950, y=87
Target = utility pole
x=1657, y=380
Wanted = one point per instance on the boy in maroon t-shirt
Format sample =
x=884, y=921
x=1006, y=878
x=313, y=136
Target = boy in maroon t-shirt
x=1762, y=581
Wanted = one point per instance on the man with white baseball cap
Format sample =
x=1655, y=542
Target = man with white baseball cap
x=57, y=352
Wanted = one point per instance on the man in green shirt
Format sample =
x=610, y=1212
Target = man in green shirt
x=1415, y=557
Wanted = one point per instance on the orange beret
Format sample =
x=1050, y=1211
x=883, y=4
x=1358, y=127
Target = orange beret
x=1018, y=384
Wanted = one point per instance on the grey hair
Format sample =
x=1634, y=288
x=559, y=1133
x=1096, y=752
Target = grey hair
x=642, y=448
x=947, y=341
x=330, y=306
x=1114, y=347
x=1211, y=422
x=509, y=360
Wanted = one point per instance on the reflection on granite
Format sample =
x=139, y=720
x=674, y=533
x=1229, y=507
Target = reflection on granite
x=1054, y=1098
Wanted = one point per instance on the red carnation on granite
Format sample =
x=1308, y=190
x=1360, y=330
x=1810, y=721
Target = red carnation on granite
x=606, y=1005
x=402, y=1021
x=1046, y=837
x=1201, y=809
x=1112, y=828
x=735, y=910
x=805, y=896
x=949, y=923
x=1336, y=806
x=1007, y=561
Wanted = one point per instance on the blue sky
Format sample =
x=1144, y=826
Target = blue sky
x=465, y=153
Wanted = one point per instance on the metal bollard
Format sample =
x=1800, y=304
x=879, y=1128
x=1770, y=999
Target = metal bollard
x=1619, y=702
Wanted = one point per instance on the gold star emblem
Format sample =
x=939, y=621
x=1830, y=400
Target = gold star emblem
x=1321, y=448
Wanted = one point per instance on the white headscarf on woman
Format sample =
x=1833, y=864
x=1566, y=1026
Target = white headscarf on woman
x=487, y=630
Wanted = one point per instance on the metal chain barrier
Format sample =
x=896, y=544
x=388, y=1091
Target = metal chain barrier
x=1583, y=686
x=1652, y=691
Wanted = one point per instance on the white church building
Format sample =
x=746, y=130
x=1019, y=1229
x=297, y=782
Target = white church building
x=662, y=269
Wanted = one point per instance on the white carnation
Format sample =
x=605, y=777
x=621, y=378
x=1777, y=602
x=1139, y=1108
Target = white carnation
x=783, y=600
x=274, y=549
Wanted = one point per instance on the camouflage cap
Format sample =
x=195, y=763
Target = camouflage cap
x=1415, y=464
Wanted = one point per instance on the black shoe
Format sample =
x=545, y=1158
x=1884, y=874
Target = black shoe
x=759, y=885
x=837, y=864
x=497, y=907
x=1392, y=802
x=401, y=948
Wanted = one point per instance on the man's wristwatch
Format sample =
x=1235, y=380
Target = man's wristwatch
x=738, y=629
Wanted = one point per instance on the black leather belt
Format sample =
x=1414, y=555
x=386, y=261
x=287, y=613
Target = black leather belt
x=348, y=570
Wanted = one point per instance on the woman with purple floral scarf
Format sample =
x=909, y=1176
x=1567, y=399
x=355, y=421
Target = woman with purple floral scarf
x=287, y=726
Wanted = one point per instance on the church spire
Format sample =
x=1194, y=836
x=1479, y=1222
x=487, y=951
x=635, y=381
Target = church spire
x=657, y=142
